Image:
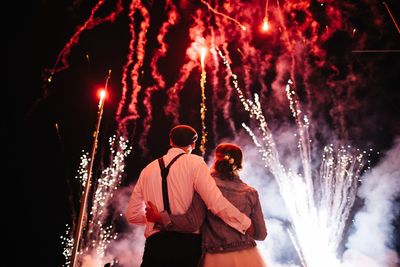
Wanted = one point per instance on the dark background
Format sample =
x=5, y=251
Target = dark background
x=46, y=126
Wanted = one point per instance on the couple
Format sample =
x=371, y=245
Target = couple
x=208, y=217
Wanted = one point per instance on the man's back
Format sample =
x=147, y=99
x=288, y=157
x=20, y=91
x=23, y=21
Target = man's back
x=182, y=180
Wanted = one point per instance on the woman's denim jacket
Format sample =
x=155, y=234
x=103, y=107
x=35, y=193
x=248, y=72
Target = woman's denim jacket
x=217, y=236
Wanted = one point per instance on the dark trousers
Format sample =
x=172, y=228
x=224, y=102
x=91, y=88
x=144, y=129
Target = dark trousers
x=172, y=249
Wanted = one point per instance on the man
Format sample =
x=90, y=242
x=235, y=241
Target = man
x=187, y=174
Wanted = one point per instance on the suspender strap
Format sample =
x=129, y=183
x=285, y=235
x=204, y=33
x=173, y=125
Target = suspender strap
x=164, y=174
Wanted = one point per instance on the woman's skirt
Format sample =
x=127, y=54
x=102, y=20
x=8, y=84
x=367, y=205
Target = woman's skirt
x=250, y=257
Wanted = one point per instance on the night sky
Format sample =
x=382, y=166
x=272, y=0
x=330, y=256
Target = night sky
x=348, y=81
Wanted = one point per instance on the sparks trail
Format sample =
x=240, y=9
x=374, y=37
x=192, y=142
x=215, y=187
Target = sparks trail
x=173, y=17
x=376, y=51
x=215, y=85
x=391, y=16
x=121, y=117
x=128, y=112
x=90, y=23
x=203, y=107
x=197, y=41
x=223, y=15
x=140, y=53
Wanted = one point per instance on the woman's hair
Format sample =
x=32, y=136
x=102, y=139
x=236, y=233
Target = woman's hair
x=228, y=159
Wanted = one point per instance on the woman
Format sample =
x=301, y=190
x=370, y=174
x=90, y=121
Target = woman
x=221, y=244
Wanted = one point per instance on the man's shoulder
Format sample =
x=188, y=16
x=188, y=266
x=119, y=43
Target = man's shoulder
x=187, y=158
x=194, y=158
x=150, y=165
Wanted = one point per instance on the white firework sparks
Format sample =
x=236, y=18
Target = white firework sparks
x=318, y=206
x=99, y=231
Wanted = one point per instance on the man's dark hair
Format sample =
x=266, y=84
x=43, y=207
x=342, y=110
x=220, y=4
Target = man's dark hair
x=183, y=135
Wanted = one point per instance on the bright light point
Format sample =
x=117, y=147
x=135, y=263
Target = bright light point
x=102, y=94
x=244, y=28
x=265, y=25
x=203, y=52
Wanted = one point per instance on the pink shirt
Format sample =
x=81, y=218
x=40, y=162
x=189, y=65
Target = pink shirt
x=187, y=174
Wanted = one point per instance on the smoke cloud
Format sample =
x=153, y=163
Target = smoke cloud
x=371, y=243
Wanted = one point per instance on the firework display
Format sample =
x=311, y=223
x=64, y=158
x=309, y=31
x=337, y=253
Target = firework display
x=283, y=79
